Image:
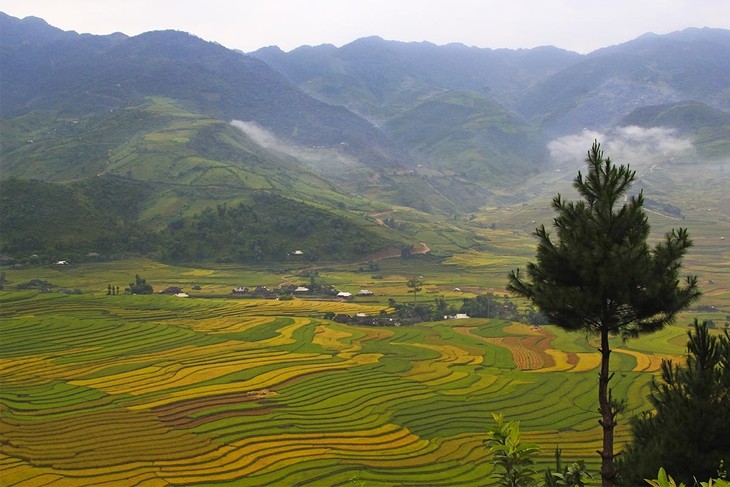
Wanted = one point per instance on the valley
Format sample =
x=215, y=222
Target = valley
x=235, y=182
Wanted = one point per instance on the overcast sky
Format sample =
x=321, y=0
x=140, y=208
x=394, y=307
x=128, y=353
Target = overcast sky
x=578, y=25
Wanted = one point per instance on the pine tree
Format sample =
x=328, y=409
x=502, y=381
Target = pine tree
x=688, y=433
x=600, y=275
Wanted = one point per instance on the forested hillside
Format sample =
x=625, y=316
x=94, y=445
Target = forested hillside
x=422, y=132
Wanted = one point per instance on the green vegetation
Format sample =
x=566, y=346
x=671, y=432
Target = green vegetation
x=687, y=431
x=95, y=218
x=269, y=228
x=664, y=480
x=515, y=460
x=70, y=221
x=139, y=286
x=511, y=455
x=470, y=136
x=600, y=276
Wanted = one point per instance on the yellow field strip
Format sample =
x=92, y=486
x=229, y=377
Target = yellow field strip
x=160, y=378
x=644, y=362
x=265, y=380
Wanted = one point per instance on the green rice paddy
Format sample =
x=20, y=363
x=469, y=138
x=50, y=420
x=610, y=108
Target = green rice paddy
x=213, y=390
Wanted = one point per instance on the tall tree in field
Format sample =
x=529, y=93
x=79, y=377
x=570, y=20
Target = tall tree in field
x=599, y=275
x=414, y=286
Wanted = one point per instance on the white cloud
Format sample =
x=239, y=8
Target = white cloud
x=624, y=145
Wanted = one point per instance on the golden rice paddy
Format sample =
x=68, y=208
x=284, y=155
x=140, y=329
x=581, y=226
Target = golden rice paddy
x=134, y=391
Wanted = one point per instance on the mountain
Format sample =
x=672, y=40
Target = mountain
x=546, y=92
x=203, y=136
x=378, y=78
x=85, y=74
x=685, y=116
x=601, y=89
x=401, y=86
x=153, y=111
x=82, y=78
x=470, y=135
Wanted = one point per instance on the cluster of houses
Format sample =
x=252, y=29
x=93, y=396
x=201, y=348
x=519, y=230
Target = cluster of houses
x=364, y=319
x=295, y=289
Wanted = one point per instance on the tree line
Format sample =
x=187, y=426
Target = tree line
x=99, y=219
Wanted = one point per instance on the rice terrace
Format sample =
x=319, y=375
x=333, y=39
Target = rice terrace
x=208, y=390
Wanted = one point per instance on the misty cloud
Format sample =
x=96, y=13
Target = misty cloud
x=625, y=145
x=262, y=137
x=325, y=160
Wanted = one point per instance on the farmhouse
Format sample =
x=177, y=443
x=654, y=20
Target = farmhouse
x=344, y=294
x=457, y=316
x=173, y=290
x=364, y=292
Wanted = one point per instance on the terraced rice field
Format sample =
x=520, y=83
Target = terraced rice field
x=156, y=390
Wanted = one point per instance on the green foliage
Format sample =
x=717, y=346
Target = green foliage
x=69, y=221
x=415, y=285
x=139, y=286
x=268, y=228
x=688, y=432
x=514, y=458
x=664, y=480
x=101, y=216
x=566, y=476
x=600, y=275
x=490, y=306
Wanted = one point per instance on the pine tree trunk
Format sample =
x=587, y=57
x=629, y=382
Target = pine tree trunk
x=605, y=407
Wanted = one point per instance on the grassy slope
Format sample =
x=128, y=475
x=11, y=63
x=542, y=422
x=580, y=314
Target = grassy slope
x=470, y=135
x=175, y=162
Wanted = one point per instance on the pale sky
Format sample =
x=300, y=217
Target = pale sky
x=577, y=25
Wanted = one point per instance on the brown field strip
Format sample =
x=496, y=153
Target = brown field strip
x=533, y=351
x=528, y=352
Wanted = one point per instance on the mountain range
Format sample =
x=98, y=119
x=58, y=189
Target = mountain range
x=341, y=133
